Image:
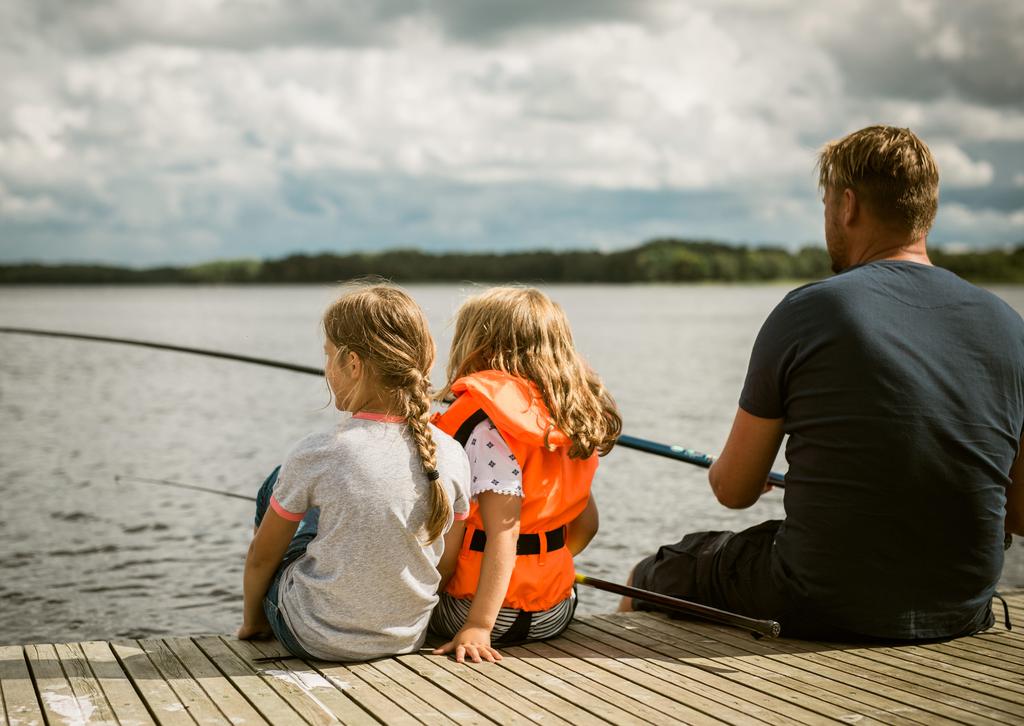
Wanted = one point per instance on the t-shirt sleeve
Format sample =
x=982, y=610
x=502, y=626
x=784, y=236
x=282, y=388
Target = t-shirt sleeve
x=460, y=505
x=294, y=483
x=764, y=389
x=493, y=466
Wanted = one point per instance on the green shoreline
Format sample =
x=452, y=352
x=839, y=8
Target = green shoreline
x=661, y=260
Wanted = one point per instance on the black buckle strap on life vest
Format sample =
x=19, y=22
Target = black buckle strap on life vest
x=463, y=432
x=527, y=544
x=518, y=632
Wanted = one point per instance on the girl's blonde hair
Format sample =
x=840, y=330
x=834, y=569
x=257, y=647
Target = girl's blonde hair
x=521, y=331
x=388, y=331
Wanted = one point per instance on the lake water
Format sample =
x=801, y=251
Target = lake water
x=85, y=557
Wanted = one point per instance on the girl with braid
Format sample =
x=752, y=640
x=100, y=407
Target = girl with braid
x=343, y=565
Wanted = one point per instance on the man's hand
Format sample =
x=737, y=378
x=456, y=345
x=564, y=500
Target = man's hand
x=740, y=475
x=472, y=642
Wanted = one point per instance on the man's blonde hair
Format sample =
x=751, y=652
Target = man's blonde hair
x=521, y=331
x=389, y=332
x=890, y=170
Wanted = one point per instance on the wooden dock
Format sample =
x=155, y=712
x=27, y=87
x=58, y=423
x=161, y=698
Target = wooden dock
x=624, y=669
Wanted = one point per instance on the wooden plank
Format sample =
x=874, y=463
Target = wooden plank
x=814, y=694
x=1009, y=658
x=541, y=698
x=976, y=659
x=124, y=701
x=513, y=659
x=16, y=689
x=936, y=686
x=464, y=689
x=646, y=675
x=217, y=687
x=199, y=705
x=492, y=690
x=374, y=702
x=978, y=667
x=804, y=657
x=624, y=694
x=165, y=705
x=956, y=668
x=377, y=704
x=451, y=707
x=689, y=673
x=84, y=684
x=855, y=662
x=930, y=675
x=812, y=690
x=334, y=692
x=309, y=707
x=59, y=702
x=248, y=682
x=408, y=701
x=828, y=659
x=662, y=656
x=707, y=685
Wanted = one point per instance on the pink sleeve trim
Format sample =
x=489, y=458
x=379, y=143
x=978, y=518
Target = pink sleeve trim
x=371, y=416
x=284, y=513
x=459, y=516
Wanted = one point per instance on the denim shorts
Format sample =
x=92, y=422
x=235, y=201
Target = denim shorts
x=296, y=548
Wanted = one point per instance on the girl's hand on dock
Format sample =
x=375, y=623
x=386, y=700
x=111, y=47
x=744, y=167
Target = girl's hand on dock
x=260, y=631
x=474, y=643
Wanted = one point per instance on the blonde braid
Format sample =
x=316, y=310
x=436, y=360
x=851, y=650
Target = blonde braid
x=417, y=397
x=388, y=331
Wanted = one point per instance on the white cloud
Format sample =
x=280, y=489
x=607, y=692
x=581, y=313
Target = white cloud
x=957, y=223
x=957, y=169
x=155, y=121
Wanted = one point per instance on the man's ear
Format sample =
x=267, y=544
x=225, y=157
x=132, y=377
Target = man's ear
x=850, y=211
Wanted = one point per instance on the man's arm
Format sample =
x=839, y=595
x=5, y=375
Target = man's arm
x=739, y=475
x=1015, y=495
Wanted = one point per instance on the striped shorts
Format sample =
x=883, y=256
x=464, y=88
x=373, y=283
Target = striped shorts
x=450, y=615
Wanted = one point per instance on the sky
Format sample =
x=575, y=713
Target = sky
x=144, y=132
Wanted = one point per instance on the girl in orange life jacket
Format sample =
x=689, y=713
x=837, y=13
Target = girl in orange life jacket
x=533, y=417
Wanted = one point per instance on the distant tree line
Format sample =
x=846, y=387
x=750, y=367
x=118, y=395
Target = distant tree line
x=662, y=260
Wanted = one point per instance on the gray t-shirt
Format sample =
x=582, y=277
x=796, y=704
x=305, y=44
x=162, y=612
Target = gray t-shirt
x=367, y=583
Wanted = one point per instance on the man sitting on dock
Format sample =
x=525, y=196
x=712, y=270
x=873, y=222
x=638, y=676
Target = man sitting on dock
x=901, y=388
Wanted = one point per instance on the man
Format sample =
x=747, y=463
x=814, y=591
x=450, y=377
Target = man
x=901, y=388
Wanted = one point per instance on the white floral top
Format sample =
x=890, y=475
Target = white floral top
x=492, y=464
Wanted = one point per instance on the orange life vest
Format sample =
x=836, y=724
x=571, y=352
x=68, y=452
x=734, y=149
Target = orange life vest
x=555, y=487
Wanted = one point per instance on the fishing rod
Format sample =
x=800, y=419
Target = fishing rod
x=688, y=456
x=678, y=453
x=757, y=628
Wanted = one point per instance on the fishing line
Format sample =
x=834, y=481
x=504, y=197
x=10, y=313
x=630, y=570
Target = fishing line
x=678, y=453
x=758, y=628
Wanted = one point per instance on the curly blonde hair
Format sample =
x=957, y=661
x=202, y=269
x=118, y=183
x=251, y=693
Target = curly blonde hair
x=389, y=332
x=521, y=331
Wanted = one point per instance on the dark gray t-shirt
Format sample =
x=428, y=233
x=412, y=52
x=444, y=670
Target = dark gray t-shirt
x=902, y=391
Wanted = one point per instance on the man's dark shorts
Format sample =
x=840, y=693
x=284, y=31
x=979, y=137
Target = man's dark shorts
x=733, y=571
x=727, y=570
